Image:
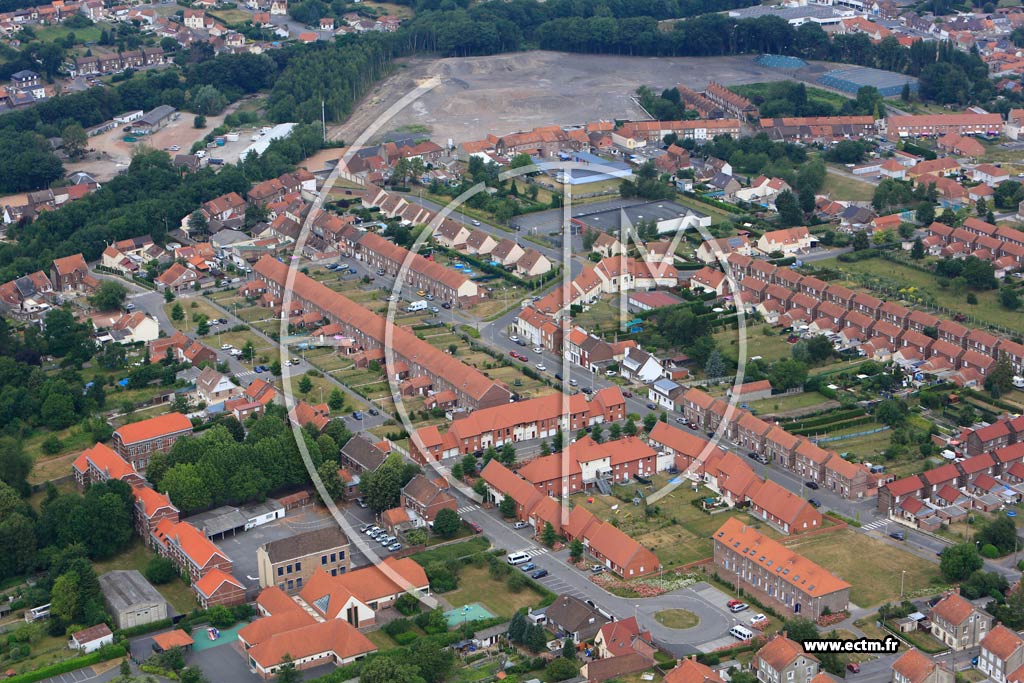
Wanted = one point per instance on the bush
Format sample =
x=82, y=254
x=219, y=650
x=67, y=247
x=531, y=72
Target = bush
x=989, y=551
x=393, y=628
x=516, y=582
x=160, y=570
x=407, y=604
x=102, y=655
x=405, y=638
x=220, y=617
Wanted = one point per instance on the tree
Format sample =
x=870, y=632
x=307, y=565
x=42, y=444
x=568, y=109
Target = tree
x=305, y=385
x=160, y=570
x=891, y=412
x=629, y=429
x=917, y=251
x=787, y=373
x=507, y=507
x=1008, y=299
x=66, y=598
x=715, y=367
x=789, y=209
x=336, y=401
x=177, y=312
x=799, y=629
x=597, y=433
x=547, y=536
x=15, y=464
x=561, y=669
x=248, y=350
x=386, y=669
x=383, y=487
x=447, y=523
x=75, y=141
x=960, y=561
x=186, y=487
x=650, y=419
x=1000, y=380
x=1000, y=532
x=199, y=121
x=576, y=550
x=208, y=101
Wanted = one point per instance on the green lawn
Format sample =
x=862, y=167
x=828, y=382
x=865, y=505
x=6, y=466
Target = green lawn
x=872, y=583
x=50, y=34
x=769, y=91
x=762, y=340
x=781, y=404
x=476, y=585
x=137, y=556
x=862, y=448
x=454, y=551
x=897, y=281
x=676, y=618
x=847, y=187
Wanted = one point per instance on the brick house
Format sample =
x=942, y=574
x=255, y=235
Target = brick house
x=137, y=441
x=190, y=549
x=782, y=660
x=219, y=588
x=425, y=498
x=1002, y=654
x=958, y=624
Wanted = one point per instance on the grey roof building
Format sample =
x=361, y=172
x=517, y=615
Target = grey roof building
x=131, y=599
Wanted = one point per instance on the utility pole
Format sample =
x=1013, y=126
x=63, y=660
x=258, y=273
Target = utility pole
x=323, y=117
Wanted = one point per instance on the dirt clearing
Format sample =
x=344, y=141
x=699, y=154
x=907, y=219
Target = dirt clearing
x=510, y=92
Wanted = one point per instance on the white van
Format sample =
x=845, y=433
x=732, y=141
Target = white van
x=518, y=558
x=415, y=306
x=741, y=633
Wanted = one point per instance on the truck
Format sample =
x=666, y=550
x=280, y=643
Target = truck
x=416, y=306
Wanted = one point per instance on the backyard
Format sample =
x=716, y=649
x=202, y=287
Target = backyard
x=678, y=532
x=842, y=186
x=476, y=585
x=872, y=583
x=762, y=340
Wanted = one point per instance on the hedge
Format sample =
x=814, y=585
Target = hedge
x=143, y=629
x=835, y=426
x=103, y=654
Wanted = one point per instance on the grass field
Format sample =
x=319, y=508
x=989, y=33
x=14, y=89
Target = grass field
x=476, y=585
x=50, y=34
x=717, y=215
x=907, y=281
x=232, y=16
x=676, y=618
x=454, y=551
x=847, y=187
x=771, y=347
x=861, y=448
x=179, y=595
x=781, y=404
x=875, y=582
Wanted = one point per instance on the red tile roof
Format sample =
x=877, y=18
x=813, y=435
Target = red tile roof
x=153, y=428
x=335, y=636
x=213, y=580
x=105, y=460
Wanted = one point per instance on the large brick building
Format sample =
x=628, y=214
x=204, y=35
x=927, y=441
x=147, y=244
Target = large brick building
x=772, y=571
x=138, y=441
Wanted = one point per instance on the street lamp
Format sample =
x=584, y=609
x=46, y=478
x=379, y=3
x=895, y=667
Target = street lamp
x=903, y=575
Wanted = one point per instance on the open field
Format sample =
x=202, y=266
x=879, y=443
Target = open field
x=51, y=34
x=901, y=277
x=476, y=585
x=232, y=16
x=816, y=95
x=480, y=95
x=875, y=582
x=862, y=448
x=842, y=186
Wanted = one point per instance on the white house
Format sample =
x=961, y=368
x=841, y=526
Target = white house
x=664, y=392
x=789, y=241
x=91, y=639
x=640, y=366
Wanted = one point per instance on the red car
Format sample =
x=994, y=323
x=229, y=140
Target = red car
x=627, y=394
x=477, y=529
x=513, y=354
x=733, y=603
x=853, y=667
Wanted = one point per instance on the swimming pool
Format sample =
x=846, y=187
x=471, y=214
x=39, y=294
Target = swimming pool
x=227, y=636
x=471, y=612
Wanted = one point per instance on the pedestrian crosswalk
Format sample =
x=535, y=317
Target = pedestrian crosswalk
x=533, y=551
x=243, y=375
x=468, y=508
x=878, y=523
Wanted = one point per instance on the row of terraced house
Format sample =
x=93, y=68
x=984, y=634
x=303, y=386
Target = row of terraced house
x=882, y=330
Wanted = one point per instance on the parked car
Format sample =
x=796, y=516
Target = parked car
x=898, y=535
x=597, y=568
x=361, y=502
x=854, y=667
x=758, y=618
x=446, y=305
x=731, y=603
x=739, y=608
x=529, y=566
x=477, y=529
x=573, y=383
x=627, y=394
x=357, y=415
x=373, y=411
x=681, y=420
x=587, y=390
x=371, y=529
x=610, y=373
x=813, y=485
x=539, y=574
x=520, y=525
x=815, y=503
x=514, y=339
x=258, y=369
x=395, y=546
x=226, y=347
x=541, y=367
x=537, y=349
x=651, y=406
